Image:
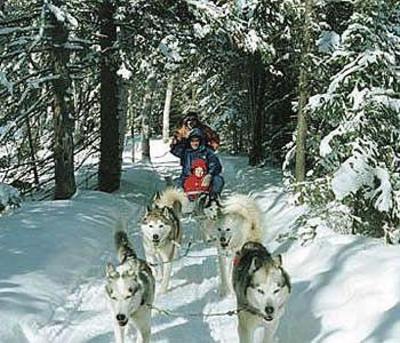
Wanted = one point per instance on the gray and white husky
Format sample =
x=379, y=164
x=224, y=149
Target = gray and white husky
x=130, y=289
x=162, y=232
x=262, y=288
x=238, y=222
x=209, y=210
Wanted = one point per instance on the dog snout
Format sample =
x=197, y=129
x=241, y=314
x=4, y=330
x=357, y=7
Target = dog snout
x=121, y=317
x=156, y=237
x=222, y=239
x=269, y=310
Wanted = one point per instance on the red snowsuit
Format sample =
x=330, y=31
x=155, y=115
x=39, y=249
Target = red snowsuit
x=193, y=182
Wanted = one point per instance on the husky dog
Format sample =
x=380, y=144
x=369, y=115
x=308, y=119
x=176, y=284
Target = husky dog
x=162, y=233
x=262, y=288
x=239, y=221
x=130, y=289
x=209, y=209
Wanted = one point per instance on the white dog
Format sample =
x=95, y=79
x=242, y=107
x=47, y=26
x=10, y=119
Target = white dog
x=130, y=289
x=162, y=233
x=262, y=288
x=239, y=222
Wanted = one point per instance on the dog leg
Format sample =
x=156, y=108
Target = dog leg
x=119, y=332
x=245, y=331
x=159, y=268
x=229, y=268
x=167, y=269
x=269, y=332
x=151, y=257
x=142, y=323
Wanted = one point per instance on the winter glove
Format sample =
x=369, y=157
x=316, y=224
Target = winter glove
x=206, y=181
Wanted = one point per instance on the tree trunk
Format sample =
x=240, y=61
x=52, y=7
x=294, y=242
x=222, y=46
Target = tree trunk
x=167, y=108
x=109, y=175
x=131, y=112
x=32, y=152
x=65, y=185
x=123, y=112
x=146, y=114
x=303, y=97
x=258, y=89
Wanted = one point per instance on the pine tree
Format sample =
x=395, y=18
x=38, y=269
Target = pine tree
x=355, y=140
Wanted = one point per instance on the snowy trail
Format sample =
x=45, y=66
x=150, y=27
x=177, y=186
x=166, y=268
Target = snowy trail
x=345, y=288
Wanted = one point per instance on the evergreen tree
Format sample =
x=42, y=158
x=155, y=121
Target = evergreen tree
x=354, y=141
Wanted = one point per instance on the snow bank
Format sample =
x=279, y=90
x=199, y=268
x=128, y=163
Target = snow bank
x=346, y=289
x=49, y=252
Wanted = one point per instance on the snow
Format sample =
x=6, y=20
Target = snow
x=201, y=30
x=345, y=288
x=325, y=148
x=360, y=63
x=328, y=41
x=5, y=83
x=384, y=191
x=62, y=15
x=252, y=41
x=124, y=72
x=358, y=97
x=351, y=176
x=169, y=47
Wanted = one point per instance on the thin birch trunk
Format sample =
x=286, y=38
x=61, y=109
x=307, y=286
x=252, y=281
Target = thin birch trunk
x=167, y=108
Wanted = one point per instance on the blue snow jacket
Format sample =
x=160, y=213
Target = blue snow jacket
x=187, y=155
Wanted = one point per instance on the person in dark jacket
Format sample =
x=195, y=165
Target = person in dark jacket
x=193, y=149
x=190, y=122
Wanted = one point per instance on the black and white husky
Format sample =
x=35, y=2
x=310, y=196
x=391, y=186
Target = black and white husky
x=162, y=232
x=238, y=222
x=262, y=288
x=130, y=289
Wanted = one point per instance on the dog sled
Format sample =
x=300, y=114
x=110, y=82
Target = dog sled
x=196, y=201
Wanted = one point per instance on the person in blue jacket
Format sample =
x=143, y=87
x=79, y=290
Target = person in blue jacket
x=195, y=148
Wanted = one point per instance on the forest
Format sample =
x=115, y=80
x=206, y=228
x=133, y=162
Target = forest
x=310, y=85
x=304, y=95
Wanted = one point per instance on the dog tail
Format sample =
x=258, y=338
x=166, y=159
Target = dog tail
x=123, y=246
x=247, y=208
x=173, y=198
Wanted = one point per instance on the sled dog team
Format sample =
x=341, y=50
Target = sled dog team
x=247, y=269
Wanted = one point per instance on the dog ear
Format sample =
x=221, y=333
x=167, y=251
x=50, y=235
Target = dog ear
x=255, y=265
x=278, y=260
x=166, y=211
x=110, y=270
x=157, y=196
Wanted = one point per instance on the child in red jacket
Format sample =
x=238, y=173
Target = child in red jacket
x=193, y=184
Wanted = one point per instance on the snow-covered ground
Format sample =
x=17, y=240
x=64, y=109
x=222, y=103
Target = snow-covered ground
x=345, y=289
